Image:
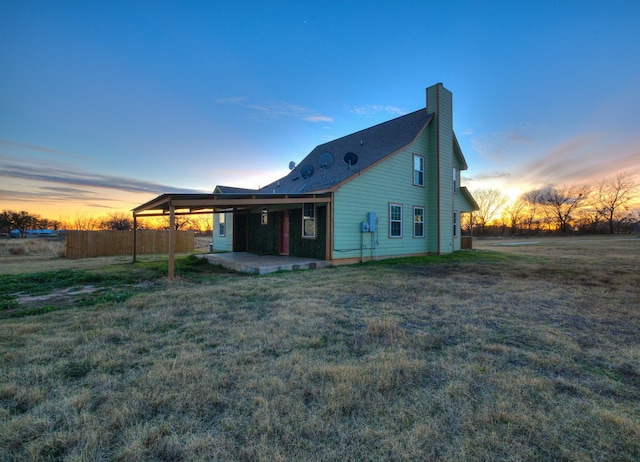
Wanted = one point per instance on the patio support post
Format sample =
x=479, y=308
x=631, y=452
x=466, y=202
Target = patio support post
x=135, y=241
x=329, y=232
x=172, y=225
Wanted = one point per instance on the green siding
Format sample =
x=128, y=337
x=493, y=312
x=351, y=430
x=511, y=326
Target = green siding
x=391, y=181
x=223, y=243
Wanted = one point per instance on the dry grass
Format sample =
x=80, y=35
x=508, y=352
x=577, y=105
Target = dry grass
x=531, y=355
x=36, y=247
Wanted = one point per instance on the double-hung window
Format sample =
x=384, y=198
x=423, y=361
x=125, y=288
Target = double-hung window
x=309, y=220
x=395, y=220
x=222, y=226
x=455, y=224
x=418, y=170
x=418, y=222
x=455, y=180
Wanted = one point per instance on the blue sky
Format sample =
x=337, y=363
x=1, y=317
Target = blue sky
x=106, y=104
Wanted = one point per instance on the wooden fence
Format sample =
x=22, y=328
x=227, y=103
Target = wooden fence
x=83, y=244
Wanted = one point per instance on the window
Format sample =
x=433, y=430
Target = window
x=455, y=224
x=418, y=222
x=455, y=180
x=395, y=220
x=222, y=226
x=309, y=220
x=418, y=170
x=264, y=217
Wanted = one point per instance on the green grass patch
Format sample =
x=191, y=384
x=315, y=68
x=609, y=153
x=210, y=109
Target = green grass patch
x=109, y=285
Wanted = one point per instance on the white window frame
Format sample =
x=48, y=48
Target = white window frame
x=393, y=220
x=455, y=224
x=309, y=220
x=417, y=171
x=421, y=221
x=455, y=180
x=222, y=224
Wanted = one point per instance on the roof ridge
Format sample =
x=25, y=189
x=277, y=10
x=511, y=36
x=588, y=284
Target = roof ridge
x=373, y=126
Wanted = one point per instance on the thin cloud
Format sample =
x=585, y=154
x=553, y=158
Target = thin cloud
x=582, y=159
x=318, y=119
x=231, y=100
x=494, y=146
x=33, y=147
x=370, y=109
x=487, y=176
x=278, y=109
x=69, y=178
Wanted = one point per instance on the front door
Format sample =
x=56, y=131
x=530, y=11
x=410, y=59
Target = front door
x=284, y=233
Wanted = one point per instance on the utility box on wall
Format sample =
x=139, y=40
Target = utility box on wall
x=372, y=222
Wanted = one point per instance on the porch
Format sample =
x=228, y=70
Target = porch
x=263, y=264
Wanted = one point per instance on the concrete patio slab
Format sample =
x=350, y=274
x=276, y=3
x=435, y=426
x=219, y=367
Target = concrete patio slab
x=262, y=264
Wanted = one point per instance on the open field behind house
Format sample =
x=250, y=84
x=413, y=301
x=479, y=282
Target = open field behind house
x=527, y=352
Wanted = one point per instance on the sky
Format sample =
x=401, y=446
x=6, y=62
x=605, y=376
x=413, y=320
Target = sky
x=106, y=104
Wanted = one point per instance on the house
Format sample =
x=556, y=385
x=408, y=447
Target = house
x=386, y=191
x=390, y=190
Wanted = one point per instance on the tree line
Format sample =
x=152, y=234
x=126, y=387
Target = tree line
x=24, y=221
x=606, y=207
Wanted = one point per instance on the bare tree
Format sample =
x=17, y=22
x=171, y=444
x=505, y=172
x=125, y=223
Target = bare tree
x=513, y=215
x=204, y=223
x=181, y=222
x=561, y=203
x=117, y=221
x=532, y=209
x=23, y=221
x=489, y=201
x=84, y=222
x=612, y=196
x=5, y=222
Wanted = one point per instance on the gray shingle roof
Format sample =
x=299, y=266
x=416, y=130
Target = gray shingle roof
x=233, y=190
x=369, y=145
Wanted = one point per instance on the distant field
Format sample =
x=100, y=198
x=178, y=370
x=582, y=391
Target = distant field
x=509, y=352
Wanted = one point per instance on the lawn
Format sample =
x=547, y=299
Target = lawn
x=527, y=352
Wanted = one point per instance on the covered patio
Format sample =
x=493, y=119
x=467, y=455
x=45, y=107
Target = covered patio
x=173, y=205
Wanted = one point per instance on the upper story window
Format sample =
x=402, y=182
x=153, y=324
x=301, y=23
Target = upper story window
x=222, y=226
x=309, y=220
x=418, y=170
x=455, y=180
x=418, y=222
x=395, y=220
